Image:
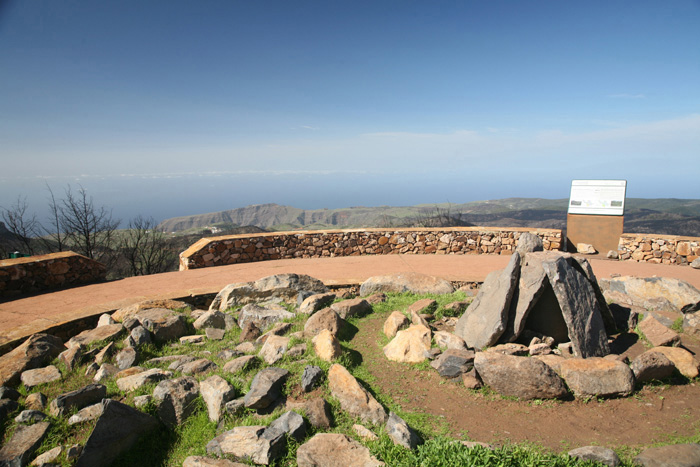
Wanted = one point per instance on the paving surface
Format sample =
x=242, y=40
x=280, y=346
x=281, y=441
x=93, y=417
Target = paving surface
x=22, y=317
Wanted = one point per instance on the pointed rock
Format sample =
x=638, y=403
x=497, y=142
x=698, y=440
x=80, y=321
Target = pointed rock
x=23, y=444
x=394, y=323
x=400, y=433
x=326, y=346
x=216, y=392
x=266, y=387
x=311, y=377
x=37, y=351
x=87, y=395
x=353, y=398
x=175, y=399
x=324, y=319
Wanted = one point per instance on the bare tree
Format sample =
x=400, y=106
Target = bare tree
x=53, y=239
x=440, y=217
x=145, y=247
x=21, y=225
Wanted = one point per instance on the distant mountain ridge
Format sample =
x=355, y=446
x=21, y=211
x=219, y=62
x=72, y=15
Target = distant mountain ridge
x=661, y=216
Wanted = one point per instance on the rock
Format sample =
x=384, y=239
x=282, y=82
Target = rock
x=406, y=282
x=673, y=455
x=528, y=243
x=325, y=449
x=249, y=332
x=266, y=387
x=682, y=359
x=353, y=398
x=30, y=416
x=198, y=367
x=523, y=377
x=695, y=264
x=105, y=354
x=71, y=358
x=48, y=457
x=235, y=407
x=419, y=319
x=532, y=284
x=134, y=382
x=326, y=346
x=106, y=370
x=585, y=249
x=290, y=423
x=274, y=349
x=37, y=351
x=262, y=317
x=214, y=334
x=23, y=444
x=512, y=348
x=597, y=377
x=228, y=354
x=165, y=325
x=91, y=412
x=284, y=287
x=539, y=349
x=128, y=372
x=364, y=433
x=311, y=377
x=87, y=395
x=7, y=406
x=691, y=324
x=216, y=392
x=247, y=442
x=394, y=323
x=400, y=433
x=246, y=348
x=175, y=398
x=9, y=393
x=35, y=401
x=296, y=351
x=105, y=333
x=279, y=329
x=642, y=291
x=409, y=345
x=656, y=333
x=194, y=339
x=126, y=358
x=142, y=401
x=486, y=318
x=31, y=378
x=352, y=308
x=117, y=430
x=122, y=314
x=105, y=320
x=597, y=454
x=240, y=364
x=200, y=461
x=376, y=298
x=315, y=302
x=446, y=340
x=211, y=319
x=319, y=412
x=471, y=380
x=453, y=362
x=613, y=254
x=426, y=305
x=74, y=451
x=130, y=323
x=323, y=319
x=140, y=336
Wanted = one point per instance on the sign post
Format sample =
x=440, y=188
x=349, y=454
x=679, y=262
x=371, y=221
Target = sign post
x=596, y=213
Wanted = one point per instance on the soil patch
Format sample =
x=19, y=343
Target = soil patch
x=653, y=414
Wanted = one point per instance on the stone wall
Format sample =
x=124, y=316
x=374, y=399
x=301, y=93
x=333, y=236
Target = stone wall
x=56, y=270
x=245, y=248
x=660, y=249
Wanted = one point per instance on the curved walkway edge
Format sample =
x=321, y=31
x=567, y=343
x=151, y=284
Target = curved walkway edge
x=25, y=316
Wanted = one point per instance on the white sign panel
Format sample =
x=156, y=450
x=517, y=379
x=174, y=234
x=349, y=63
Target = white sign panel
x=600, y=197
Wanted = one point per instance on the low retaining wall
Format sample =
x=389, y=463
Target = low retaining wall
x=39, y=273
x=660, y=249
x=245, y=248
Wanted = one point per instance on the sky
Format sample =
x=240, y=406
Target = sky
x=169, y=108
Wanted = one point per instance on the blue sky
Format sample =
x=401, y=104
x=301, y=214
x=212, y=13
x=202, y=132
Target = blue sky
x=181, y=107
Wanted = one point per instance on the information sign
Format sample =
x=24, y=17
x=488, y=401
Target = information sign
x=599, y=197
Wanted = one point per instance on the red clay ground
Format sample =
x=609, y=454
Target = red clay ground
x=653, y=414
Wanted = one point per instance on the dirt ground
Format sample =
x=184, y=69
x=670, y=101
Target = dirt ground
x=652, y=414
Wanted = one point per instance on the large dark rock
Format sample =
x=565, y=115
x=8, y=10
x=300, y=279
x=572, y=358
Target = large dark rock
x=175, y=399
x=652, y=366
x=290, y=423
x=165, y=325
x=311, y=377
x=486, y=318
x=116, y=431
x=23, y=444
x=266, y=387
x=87, y=395
x=597, y=376
x=286, y=287
x=453, y=362
x=403, y=282
x=523, y=377
x=37, y=351
x=7, y=406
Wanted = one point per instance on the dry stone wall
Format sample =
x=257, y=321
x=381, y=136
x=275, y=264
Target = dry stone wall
x=56, y=270
x=217, y=251
x=660, y=249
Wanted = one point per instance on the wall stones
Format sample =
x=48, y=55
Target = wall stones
x=659, y=249
x=217, y=251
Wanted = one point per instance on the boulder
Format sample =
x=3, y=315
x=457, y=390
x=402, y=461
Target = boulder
x=400, y=433
x=266, y=387
x=7, y=406
x=326, y=346
x=311, y=377
x=333, y=449
x=214, y=334
x=323, y=319
x=37, y=376
x=683, y=360
x=117, y=430
x=126, y=358
x=656, y=333
x=394, y=323
x=105, y=320
x=286, y=287
x=406, y=282
x=211, y=319
x=240, y=364
x=165, y=325
x=691, y=324
x=642, y=291
x=91, y=412
x=262, y=317
x=409, y=345
x=695, y=264
x=105, y=370
x=274, y=349
x=247, y=443
x=105, y=333
x=134, y=382
x=425, y=305
x=197, y=367
x=355, y=307
x=35, y=401
x=71, y=357
x=585, y=249
x=122, y=314
x=47, y=458
x=175, y=399
x=139, y=336
x=290, y=423
x=673, y=455
x=24, y=442
x=353, y=398
x=518, y=350
x=528, y=243
x=216, y=392
x=446, y=340
x=597, y=377
x=652, y=366
x=105, y=353
x=364, y=433
x=37, y=351
x=87, y=395
x=30, y=416
x=523, y=377
x=249, y=332
x=453, y=362
x=319, y=412
x=486, y=318
x=315, y=302
x=201, y=461
x=597, y=454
